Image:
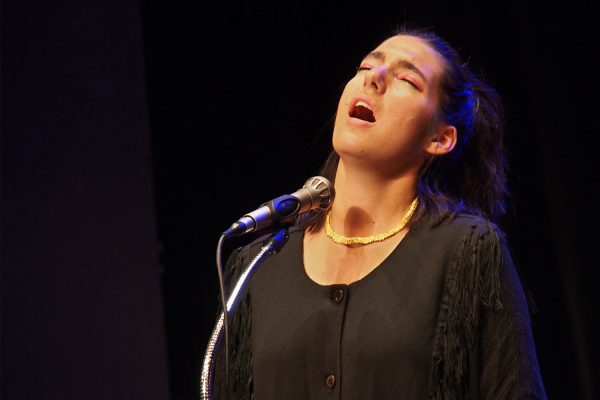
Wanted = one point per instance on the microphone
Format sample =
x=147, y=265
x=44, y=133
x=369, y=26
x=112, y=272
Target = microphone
x=316, y=194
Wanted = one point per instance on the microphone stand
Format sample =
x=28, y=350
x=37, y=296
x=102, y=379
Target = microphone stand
x=269, y=248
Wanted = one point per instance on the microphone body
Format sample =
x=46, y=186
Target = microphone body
x=316, y=194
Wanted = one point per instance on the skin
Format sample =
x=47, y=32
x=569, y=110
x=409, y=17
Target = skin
x=380, y=162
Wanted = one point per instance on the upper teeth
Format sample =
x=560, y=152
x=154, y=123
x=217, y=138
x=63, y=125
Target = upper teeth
x=362, y=103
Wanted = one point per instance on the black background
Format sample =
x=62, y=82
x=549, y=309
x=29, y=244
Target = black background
x=134, y=133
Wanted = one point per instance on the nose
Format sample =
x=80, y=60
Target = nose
x=375, y=79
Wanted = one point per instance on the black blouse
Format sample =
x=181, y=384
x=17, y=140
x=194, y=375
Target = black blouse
x=443, y=316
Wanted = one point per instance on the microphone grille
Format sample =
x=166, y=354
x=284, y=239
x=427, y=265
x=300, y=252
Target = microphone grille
x=321, y=190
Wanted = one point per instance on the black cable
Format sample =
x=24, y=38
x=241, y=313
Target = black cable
x=224, y=307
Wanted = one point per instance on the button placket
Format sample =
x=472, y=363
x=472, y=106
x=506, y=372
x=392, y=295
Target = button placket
x=338, y=295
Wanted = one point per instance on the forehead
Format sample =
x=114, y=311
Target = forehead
x=414, y=50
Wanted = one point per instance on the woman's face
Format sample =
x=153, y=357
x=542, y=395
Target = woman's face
x=386, y=111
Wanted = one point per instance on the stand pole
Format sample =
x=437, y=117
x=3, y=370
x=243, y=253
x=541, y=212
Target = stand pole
x=272, y=246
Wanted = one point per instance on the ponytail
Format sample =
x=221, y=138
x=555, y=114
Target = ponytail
x=471, y=178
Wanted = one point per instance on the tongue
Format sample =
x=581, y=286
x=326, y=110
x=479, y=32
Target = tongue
x=363, y=113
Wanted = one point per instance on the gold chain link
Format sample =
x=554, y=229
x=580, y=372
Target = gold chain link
x=341, y=239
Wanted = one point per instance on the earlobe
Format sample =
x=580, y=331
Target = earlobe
x=443, y=141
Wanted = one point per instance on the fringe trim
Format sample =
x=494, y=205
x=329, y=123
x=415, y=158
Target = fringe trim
x=474, y=281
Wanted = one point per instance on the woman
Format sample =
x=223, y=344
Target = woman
x=405, y=288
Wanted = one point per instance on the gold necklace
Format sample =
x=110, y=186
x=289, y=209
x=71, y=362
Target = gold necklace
x=341, y=239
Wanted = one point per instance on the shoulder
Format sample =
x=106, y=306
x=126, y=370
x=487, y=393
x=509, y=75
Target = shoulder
x=476, y=234
x=470, y=223
x=463, y=230
x=471, y=230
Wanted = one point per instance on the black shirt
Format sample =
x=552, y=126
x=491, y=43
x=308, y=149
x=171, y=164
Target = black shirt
x=418, y=326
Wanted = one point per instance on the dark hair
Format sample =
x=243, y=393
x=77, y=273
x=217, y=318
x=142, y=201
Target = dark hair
x=472, y=178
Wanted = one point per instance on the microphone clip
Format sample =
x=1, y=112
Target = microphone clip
x=279, y=211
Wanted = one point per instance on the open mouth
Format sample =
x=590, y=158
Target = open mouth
x=362, y=111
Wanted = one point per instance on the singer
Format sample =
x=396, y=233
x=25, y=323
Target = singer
x=404, y=288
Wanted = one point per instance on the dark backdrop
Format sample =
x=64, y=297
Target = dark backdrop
x=226, y=105
x=82, y=307
x=241, y=97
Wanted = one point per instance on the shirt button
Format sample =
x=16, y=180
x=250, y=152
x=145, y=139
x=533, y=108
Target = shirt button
x=330, y=381
x=338, y=295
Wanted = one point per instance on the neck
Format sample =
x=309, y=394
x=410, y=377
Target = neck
x=367, y=202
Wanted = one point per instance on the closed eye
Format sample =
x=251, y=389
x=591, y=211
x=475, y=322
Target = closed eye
x=408, y=81
x=413, y=84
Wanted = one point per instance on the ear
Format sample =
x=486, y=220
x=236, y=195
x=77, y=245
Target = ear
x=443, y=140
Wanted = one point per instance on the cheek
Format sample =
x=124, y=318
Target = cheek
x=344, y=103
x=346, y=96
x=405, y=132
x=411, y=117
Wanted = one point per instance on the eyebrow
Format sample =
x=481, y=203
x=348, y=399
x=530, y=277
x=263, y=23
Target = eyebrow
x=380, y=55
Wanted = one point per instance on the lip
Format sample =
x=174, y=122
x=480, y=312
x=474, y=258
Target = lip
x=361, y=122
